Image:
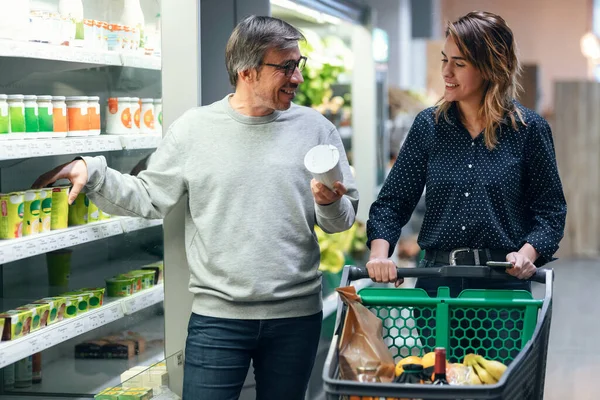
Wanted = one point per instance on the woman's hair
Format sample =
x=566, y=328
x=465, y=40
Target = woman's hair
x=487, y=42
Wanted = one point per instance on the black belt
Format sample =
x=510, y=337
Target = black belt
x=466, y=256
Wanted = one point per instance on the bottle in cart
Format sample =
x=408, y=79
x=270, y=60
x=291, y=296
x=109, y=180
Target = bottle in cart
x=439, y=371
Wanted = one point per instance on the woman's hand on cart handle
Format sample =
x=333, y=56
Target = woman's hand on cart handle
x=383, y=270
x=522, y=264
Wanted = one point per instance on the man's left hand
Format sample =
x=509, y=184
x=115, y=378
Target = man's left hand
x=325, y=196
x=523, y=267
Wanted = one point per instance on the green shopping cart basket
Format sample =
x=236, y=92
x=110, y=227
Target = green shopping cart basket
x=504, y=325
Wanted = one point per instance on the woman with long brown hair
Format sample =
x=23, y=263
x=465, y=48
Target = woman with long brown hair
x=487, y=163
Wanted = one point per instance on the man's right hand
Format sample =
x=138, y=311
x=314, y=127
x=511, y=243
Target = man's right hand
x=383, y=270
x=75, y=171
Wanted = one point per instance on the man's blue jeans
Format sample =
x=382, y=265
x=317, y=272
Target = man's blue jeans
x=218, y=353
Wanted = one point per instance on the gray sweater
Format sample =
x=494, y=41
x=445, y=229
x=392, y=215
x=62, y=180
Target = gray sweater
x=249, y=236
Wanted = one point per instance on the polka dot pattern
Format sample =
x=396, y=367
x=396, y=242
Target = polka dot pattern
x=474, y=197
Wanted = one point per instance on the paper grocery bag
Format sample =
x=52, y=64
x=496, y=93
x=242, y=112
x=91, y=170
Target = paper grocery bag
x=361, y=343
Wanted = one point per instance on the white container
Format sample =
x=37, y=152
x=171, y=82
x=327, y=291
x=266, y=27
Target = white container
x=147, y=119
x=158, y=117
x=14, y=19
x=16, y=115
x=4, y=119
x=79, y=118
x=94, y=112
x=119, y=120
x=133, y=16
x=136, y=111
x=73, y=10
x=323, y=162
x=60, y=117
x=45, y=116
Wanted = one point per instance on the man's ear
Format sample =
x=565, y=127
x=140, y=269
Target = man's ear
x=248, y=75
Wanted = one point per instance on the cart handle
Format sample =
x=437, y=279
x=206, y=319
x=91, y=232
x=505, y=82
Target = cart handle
x=454, y=271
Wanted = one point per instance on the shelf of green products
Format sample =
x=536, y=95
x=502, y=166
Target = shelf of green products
x=28, y=246
x=49, y=336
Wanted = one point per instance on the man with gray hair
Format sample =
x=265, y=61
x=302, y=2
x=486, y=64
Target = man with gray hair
x=252, y=206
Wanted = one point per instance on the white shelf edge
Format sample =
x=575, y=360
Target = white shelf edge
x=17, y=249
x=43, y=51
x=25, y=148
x=330, y=302
x=114, y=309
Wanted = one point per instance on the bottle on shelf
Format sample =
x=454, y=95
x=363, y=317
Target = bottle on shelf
x=8, y=376
x=133, y=17
x=73, y=11
x=439, y=369
x=36, y=368
x=23, y=373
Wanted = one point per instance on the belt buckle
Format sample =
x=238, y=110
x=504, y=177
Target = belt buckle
x=454, y=252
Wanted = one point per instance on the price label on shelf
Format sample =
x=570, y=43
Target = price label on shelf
x=50, y=147
x=113, y=142
x=115, y=228
x=85, y=234
x=79, y=328
x=72, y=239
x=8, y=149
x=104, y=230
x=91, y=145
x=6, y=255
x=4, y=358
x=132, y=305
x=79, y=146
x=63, y=333
x=36, y=344
x=96, y=233
x=31, y=249
x=114, y=313
x=18, y=251
x=67, y=146
x=22, y=149
x=47, y=340
x=100, y=319
x=44, y=245
x=35, y=149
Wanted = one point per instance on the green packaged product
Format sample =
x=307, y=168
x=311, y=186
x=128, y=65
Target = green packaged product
x=78, y=211
x=96, y=298
x=57, y=308
x=119, y=287
x=17, y=323
x=12, y=210
x=39, y=315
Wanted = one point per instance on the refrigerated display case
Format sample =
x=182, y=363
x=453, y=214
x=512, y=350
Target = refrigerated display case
x=72, y=332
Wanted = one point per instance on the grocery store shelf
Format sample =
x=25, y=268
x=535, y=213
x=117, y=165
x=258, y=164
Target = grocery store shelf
x=112, y=310
x=42, y=51
x=25, y=148
x=330, y=302
x=17, y=249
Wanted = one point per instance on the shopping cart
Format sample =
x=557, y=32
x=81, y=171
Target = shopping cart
x=466, y=324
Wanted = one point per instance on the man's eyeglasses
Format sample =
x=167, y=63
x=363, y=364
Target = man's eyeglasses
x=290, y=66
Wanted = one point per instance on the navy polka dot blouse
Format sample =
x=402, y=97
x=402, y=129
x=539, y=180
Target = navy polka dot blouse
x=474, y=197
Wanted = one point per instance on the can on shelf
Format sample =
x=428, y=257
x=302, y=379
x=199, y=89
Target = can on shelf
x=59, y=217
x=78, y=211
x=46, y=210
x=31, y=217
x=12, y=208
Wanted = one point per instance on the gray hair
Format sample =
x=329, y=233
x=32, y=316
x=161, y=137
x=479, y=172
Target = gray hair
x=251, y=39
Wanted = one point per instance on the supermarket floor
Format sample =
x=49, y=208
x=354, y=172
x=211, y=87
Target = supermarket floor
x=573, y=362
